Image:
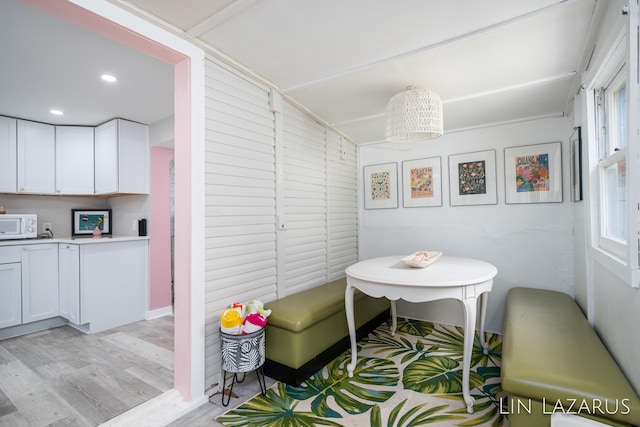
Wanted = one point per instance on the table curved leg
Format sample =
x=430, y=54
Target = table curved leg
x=470, y=309
x=351, y=323
x=483, y=313
x=394, y=318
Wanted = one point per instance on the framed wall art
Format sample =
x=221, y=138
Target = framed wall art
x=421, y=183
x=533, y=173
x=576, y=164
x=84, y=221
x=381, y=186
x=472, y=178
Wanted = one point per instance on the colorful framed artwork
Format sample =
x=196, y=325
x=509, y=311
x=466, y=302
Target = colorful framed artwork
x=533, y=173
x=84, y=221
x=421, y=183
x=472, y=178
x=381, y=186
x=576, y=164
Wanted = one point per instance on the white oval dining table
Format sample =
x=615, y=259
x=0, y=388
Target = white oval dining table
x=463, y=279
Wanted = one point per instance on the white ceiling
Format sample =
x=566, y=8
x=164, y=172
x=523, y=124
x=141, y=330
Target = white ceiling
x=46, y=62
x=491, y=61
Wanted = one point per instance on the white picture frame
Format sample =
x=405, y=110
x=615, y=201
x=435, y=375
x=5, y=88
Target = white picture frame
x=422, y=182
x=533, y=173
x=472, y=178
x=380, y=186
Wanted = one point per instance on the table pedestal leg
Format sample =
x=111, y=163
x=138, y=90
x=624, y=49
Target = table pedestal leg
x=483, y=313
x=469, y=306
x=351, y=323
x=394, y=318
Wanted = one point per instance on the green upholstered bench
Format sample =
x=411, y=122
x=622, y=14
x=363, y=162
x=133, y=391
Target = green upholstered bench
x=308, y=329
x=552, y=358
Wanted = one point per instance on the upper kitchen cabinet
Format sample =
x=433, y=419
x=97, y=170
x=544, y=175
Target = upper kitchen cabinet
x=8, y=159
x=74, y=160
x=121, y=158
x=36, y=158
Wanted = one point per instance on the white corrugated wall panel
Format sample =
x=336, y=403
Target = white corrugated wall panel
x=246, y=257
x=305, y=202
x=342, y=200
x=240, y=234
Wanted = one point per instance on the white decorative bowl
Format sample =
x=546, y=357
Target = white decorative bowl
x=422, y=259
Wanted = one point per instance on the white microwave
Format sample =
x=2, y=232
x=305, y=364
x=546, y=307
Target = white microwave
x=18, y=226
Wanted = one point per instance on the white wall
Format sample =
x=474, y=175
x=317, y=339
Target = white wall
x=53, y=209
x=530, y=244
x=57, y=210
x=281, y=206
x=126, y=211
x=612, y=304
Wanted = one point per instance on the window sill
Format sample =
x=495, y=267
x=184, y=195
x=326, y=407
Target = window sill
x=617, y=266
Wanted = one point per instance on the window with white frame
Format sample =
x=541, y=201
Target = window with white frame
x=611, y=120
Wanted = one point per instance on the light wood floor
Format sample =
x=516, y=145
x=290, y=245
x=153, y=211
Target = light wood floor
x=63, y=377
x=205, y=415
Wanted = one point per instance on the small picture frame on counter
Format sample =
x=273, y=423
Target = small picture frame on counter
x=85, y=221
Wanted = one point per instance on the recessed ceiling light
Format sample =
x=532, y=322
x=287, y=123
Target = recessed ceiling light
x=109, y=78
x=56, y=112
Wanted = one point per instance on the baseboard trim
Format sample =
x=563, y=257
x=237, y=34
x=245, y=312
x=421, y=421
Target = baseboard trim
x=159, y=411
x=159, y=312
x=28, y=328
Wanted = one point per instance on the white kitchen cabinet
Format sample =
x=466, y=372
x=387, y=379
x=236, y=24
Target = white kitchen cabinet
x=121, y=158
x=114, y=283
x=40, y=296
x=36, y=167
x=10, y=295
x=74, y=160
x=105, y=284
x=10, y=287
x=69, y=282
x=8, y=155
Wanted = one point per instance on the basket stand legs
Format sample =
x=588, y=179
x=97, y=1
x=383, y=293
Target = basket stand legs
x=235, y=378
x=263, y=384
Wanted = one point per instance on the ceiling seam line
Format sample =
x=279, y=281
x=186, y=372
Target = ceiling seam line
x=428, y=47
x=229, y=61
x=211, y=22
x=525, y=85
x=395, y=145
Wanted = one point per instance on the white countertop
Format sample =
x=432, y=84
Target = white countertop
x=72, y=240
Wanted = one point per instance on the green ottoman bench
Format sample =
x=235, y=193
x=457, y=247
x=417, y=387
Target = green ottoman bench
x=553, y=360
x=308, y=329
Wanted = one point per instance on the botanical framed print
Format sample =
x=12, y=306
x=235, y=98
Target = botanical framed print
x=421, y=183
x=84, y=221
x=533, y=173
x=381, y=186
x=576, y=164
x=472, y=178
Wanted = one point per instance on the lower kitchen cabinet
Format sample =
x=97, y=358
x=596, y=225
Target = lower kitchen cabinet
x=94, y=285
x=39, y=282
x=10, y=294
x=104, y=285
x=69, y=276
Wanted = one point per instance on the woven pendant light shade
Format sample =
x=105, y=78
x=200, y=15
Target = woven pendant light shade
x=414, y=115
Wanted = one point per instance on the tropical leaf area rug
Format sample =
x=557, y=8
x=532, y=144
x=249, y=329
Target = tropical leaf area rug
x=411, y=379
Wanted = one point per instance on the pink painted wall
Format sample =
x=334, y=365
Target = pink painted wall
x=159, y=229
x=183, y=339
